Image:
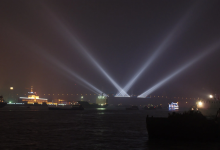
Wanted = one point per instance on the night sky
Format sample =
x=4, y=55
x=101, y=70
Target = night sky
x=121, y=35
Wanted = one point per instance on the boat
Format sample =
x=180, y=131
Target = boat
x=159, y=107
x=149, y=108
x=73, y=107
x=173, y=106
x=132, y=108
x=86, y=104
x=209, y=106
x=2, y=102
x=189, y=126
x=101, y=102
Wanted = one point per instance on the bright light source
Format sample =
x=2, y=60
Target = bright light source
x=210, y=96
x=200, y=103
x=190, y=63
x=11, y=88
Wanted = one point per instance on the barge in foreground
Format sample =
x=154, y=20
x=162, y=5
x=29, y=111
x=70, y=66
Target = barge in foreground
x=189, y=126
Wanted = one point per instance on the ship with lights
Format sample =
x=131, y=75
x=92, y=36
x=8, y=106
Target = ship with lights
x=173, y=106
x=31, y=102
x=33, y=98
x=101, y=102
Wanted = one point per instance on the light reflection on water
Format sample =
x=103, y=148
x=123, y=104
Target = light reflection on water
x=101, y=108
x=88, y=129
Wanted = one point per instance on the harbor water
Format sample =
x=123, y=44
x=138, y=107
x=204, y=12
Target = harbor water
x=87, y=129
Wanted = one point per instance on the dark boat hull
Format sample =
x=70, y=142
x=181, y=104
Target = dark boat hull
x=174, y=129
x=95, y=106
x=85, y=104
x=62, y=108
x=131, y=109
x=150, y=108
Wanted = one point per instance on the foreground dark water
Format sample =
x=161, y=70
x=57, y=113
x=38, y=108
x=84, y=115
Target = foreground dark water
x=88, y=129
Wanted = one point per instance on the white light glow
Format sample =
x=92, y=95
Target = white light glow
x=200, y=103
x=75, y=43
x=210, y=96
x=173, y=106
x=190, y=63
x=101, y=69
x=39, y=50
x=64, y=68
x=164, y=45
x=32, y=98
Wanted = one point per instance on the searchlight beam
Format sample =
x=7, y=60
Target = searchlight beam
x=164, y=45
x=72, y=73
x=63, y=67
x=159, y=84
x=75, y=43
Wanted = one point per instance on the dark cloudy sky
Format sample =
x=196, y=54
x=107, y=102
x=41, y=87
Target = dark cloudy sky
x=121, y=35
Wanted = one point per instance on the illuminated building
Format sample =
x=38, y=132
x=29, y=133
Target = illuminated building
x=33, y=98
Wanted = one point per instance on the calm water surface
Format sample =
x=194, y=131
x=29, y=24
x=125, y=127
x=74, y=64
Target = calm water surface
x=88, y=129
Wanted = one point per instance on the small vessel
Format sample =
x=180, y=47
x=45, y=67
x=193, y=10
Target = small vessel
x=86, y=104
x=149, y=108
x=173, y=106
x=132, y=108
x=101, y=102
x=2, y=102
x=73, y=107
x=159, y=107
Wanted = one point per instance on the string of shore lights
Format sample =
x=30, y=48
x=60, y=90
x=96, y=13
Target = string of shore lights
x=151, y=96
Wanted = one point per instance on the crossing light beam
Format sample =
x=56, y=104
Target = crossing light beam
x=164, y=45
x=184, y=67
x=75, y=43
